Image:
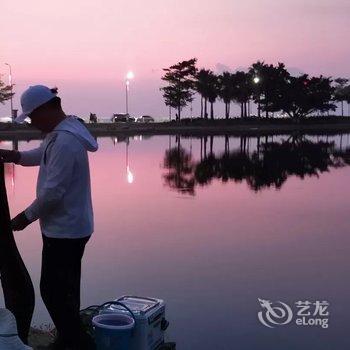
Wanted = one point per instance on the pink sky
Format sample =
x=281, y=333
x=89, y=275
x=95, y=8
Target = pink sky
x=86, y=47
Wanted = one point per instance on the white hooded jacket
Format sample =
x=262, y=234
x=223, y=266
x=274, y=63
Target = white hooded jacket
x=63, y=204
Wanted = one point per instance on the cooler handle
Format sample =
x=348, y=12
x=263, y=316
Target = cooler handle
x=109, y=303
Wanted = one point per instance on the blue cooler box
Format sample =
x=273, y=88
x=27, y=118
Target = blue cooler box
x=149, y=313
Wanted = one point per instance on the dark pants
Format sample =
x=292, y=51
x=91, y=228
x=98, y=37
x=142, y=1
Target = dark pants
x=60, y=284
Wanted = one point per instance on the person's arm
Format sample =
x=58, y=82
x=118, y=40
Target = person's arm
x=9, y=156
x=59, y=168
x=30, y=158
x=25, y=158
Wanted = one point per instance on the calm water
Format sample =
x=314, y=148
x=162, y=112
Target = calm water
x=211, y=225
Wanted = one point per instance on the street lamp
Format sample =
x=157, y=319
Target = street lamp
x=10, y=83
x=129, y=76
x=256, y=81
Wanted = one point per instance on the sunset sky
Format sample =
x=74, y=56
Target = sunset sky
x=86, y=47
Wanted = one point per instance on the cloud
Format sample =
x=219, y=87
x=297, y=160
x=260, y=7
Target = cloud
x=294, y=71
x=220, y=68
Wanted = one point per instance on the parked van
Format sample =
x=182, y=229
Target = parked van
x=145, y=119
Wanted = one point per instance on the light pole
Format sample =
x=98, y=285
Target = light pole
x=129, y=76
x=10, y=83
x=256, y=81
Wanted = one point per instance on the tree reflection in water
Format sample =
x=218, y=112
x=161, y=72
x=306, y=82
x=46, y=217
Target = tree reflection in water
x=181, y=169
x=269, y=165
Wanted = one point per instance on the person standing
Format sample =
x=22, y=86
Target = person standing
x=63, y=206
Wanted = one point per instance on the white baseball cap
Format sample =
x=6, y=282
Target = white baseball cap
x=32, y=98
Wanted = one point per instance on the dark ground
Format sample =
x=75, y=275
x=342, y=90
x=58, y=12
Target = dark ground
x=236, y=126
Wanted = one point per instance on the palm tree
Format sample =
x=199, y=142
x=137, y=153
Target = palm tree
x=226, y=90
x=201, y=86
x=243, y=90
x=212, y=91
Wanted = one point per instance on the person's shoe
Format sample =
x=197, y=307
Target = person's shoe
x=58, y=344
x=168, y=346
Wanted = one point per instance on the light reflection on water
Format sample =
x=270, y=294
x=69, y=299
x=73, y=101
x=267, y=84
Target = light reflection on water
x=268, y=218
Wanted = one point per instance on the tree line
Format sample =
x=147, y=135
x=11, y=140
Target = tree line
x=270, y=87
x=270, y=165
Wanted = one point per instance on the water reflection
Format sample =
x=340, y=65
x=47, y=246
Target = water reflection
x=268, y=165
x=181, y=169
x=129, y=174
x=213, y=256
x=262, y=162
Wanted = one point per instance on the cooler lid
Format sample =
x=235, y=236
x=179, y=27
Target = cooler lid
x=140, y=305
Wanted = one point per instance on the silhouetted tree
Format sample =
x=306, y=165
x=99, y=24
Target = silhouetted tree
x=5, y=92
x=212, y=91
x=171, y=96
x=269, y=90
x=201, y=84
x=226, y=90
x=180, y=79
x=271, y=87
x=243, y=90
x=302, y=96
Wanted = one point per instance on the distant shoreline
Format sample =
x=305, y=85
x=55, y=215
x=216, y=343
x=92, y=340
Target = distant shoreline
x=197, y=127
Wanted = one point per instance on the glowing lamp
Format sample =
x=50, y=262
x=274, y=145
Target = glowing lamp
x=130, y=75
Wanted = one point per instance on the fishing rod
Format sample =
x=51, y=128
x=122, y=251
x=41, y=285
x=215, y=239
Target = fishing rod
x=15, y=280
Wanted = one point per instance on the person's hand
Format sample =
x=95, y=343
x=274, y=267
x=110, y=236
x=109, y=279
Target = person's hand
x=20, y=222
x=9, y=156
